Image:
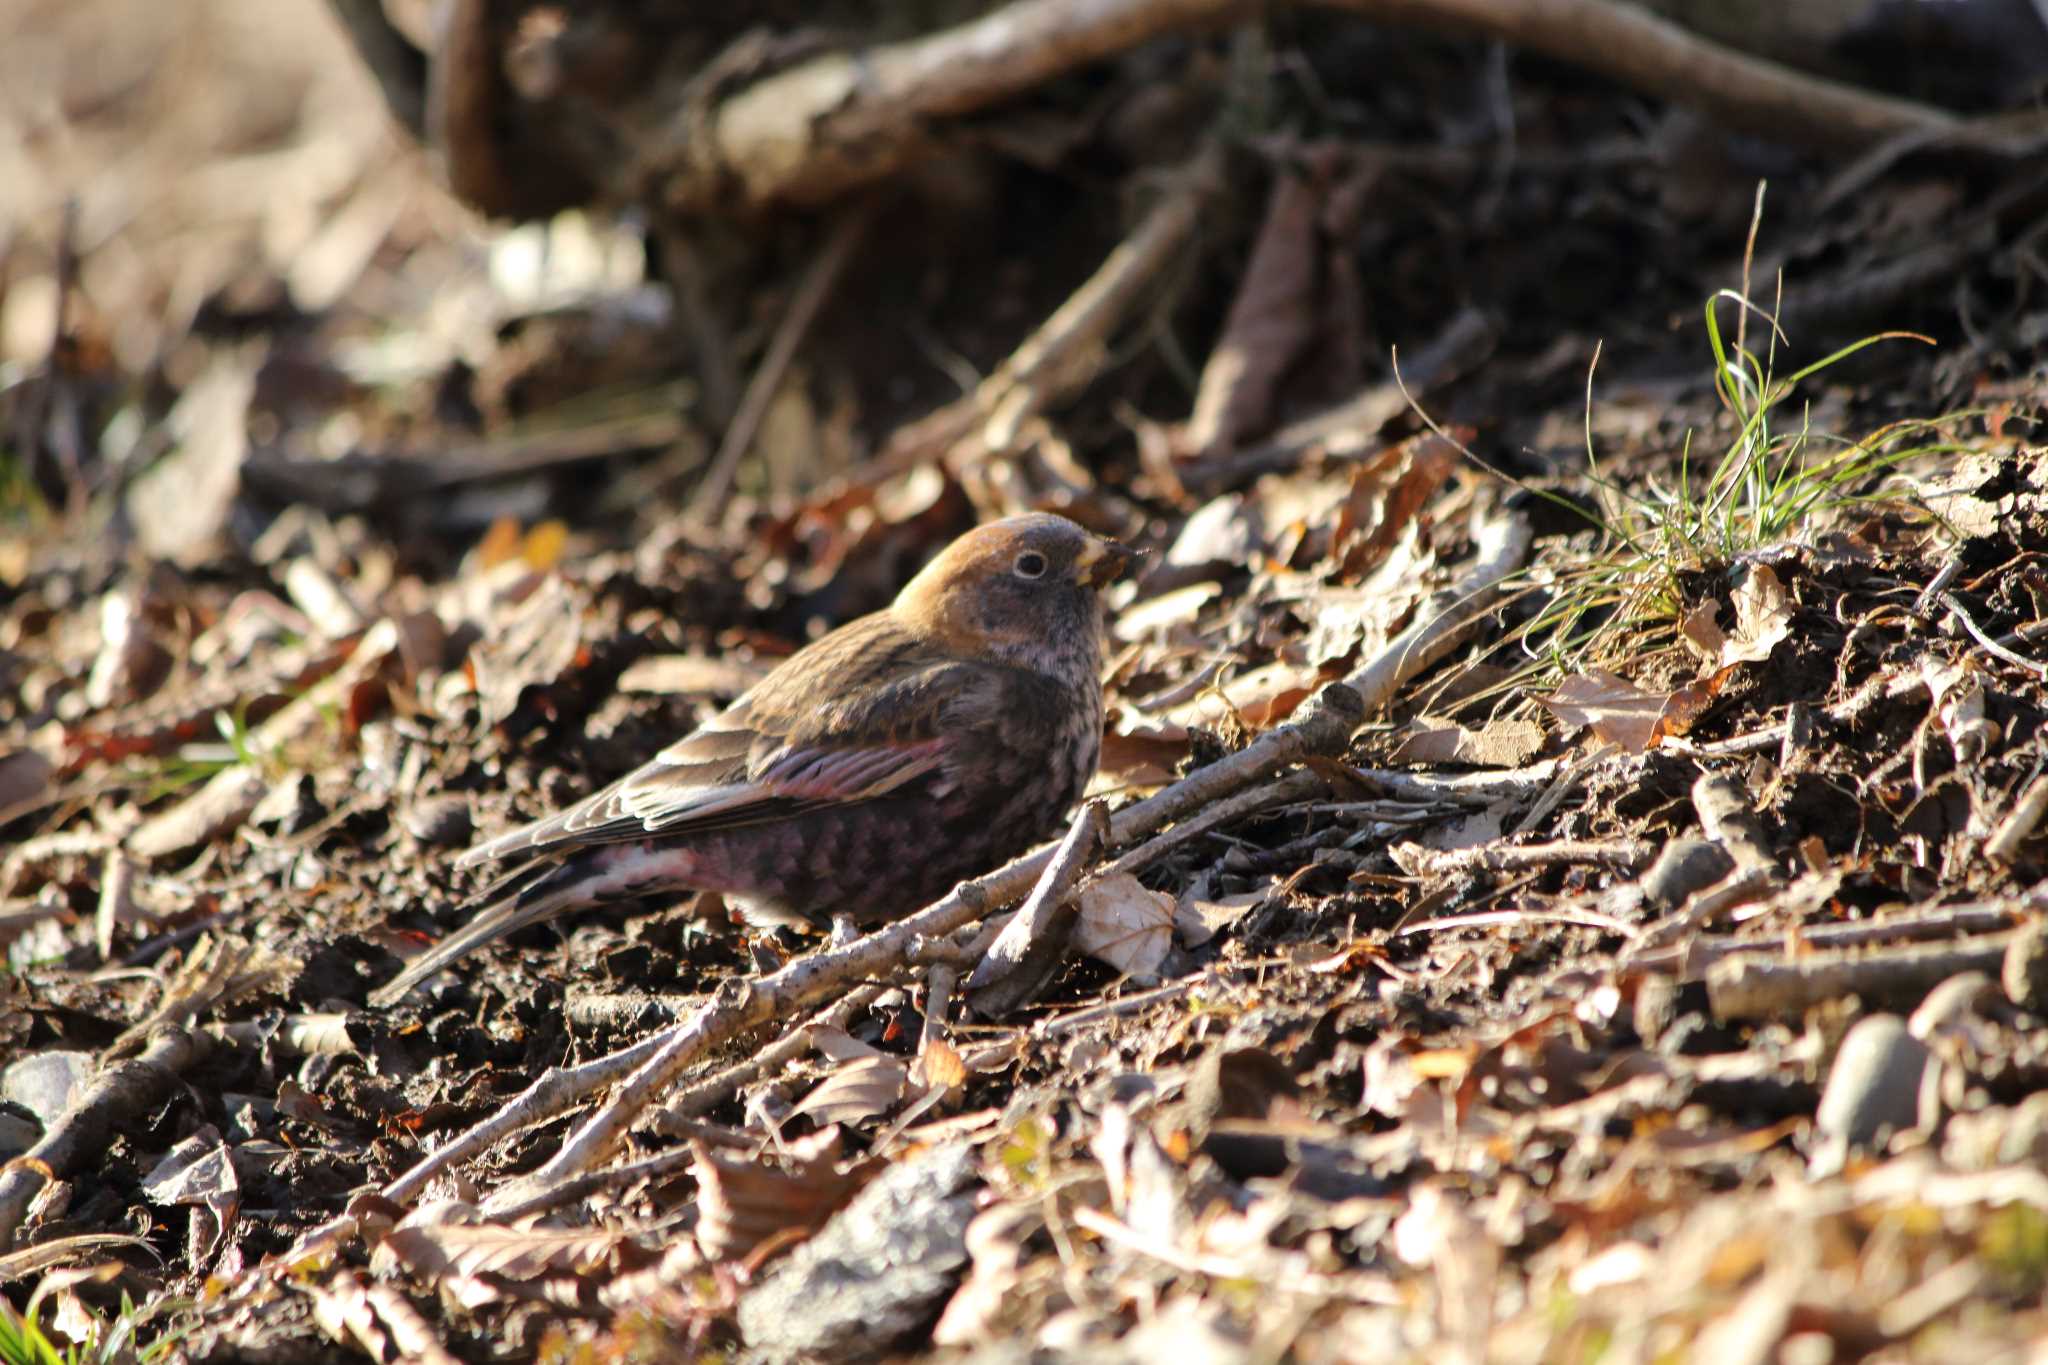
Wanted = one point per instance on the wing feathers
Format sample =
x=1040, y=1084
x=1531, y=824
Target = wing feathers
x=775, y=751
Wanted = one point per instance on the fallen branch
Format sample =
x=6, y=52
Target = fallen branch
x=1069, y=347
x=1748, y=989
x=811, y=132
x=121, y=1092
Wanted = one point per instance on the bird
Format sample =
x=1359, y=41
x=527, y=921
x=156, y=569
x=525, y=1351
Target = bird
x=862, y=778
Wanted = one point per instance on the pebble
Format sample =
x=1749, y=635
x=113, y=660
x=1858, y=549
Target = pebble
x=1884, y=1081
x=443, y=821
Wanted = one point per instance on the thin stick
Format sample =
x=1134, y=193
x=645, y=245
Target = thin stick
x=121, y=1090
x=1693, y=957
x=1448, y=616
x=810, y=296
x=1031, y=924
x=1067, y=348
x=1991, y=646
x=1626, y=854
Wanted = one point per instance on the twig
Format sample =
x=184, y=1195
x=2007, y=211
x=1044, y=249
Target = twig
x=627, y=1009
x=810, y=296
x=1695, y=956
x=1936, y=586
x=1067, y=349
x=1991, y=646
x=1747, y=989
x=1584, y=919
x=1109, y=1009
x=1702, y=908
x=1302, y=785
x=940, y=980
x=1030, y=929
x=1448, y=616
x=1476, y=789
x=721, y=1086
x=121, y=1091
x=2019, y=823
x=590, y=1182
x=1627, y=854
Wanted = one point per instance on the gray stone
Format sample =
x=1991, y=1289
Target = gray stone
x=1884, y=1081
x=878, y=1271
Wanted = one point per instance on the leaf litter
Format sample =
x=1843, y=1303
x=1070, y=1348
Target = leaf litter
x=1673, y=985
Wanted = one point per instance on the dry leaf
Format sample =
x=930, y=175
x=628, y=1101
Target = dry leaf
x=1271, y=320
x=1499, y=744
x=743, y=1201
x=860, y=1089
x=940, y=1065
x=1125, y=925
x=1699, y=629
x=1386, y=496
x=1199, y=919
x=1763, y=617
x=435, y=1249
x=1625, y=715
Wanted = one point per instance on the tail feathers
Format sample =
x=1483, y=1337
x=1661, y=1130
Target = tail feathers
x=533, y=893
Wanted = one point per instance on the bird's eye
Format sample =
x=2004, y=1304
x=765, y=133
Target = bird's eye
x=1030, y=564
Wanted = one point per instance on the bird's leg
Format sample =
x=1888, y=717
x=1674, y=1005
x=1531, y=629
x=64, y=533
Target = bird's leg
x=844, y=930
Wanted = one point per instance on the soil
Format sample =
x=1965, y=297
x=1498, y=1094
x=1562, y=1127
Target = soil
x=336, y=534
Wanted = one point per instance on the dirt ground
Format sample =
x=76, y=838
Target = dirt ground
x=1566, y=878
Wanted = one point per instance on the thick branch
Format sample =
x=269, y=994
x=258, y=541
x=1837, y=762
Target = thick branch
x=816, y=130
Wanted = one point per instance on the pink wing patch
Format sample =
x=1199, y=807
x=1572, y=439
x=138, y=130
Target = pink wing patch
x=805, y=775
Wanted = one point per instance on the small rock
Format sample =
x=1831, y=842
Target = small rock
x=878, y=1271
x=288, y=807
x=45, y=1083
x=2025, y=971
x=1950, y=1003
x=1685, y=866
x=1884, y=1081
x=443, y=821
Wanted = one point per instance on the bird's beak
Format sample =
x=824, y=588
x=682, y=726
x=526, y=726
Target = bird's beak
x=1103, y=562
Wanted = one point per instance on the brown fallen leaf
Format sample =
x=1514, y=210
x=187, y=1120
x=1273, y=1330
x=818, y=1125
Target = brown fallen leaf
x=1499, y=744
x=1625, y=715
x=862, y=1088
x=1386, y=495
x=744, y=1201
x=1763, y=618
x=1125, y=925
x=1271, y=320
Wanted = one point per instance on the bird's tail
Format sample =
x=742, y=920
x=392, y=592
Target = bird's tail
x=529, y=895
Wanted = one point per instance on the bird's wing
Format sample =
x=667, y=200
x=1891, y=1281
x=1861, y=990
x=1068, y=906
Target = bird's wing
x=850, y=719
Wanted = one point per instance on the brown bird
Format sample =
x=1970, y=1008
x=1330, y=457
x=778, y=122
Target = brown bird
x=867, y=774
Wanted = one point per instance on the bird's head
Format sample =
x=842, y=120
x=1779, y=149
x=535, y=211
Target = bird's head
x=1023, y=588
